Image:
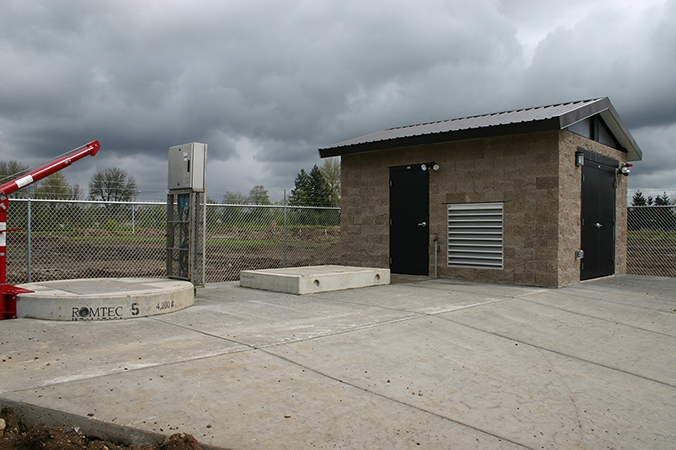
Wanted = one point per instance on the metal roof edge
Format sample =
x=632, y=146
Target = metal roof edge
x=588, y=108
x=621, y=133
x=468, y=134
x=583, y=112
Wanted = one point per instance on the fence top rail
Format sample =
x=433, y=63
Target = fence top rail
x=651, y=206
x=101, y=202
x=86, y=202
x=243, y=205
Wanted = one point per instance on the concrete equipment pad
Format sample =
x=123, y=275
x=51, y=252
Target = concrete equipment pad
x=104, y=298
x=314, y=279
x=436, y=364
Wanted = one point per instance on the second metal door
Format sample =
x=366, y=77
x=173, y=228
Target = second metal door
x=409, y=220
x=598, y=220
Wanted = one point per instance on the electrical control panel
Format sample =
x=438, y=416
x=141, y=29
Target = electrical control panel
x=187, y=167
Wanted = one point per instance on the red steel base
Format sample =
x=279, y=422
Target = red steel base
x=8, y=295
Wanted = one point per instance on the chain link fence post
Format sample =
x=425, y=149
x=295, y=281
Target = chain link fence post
x=285, y=228
x=29, y=277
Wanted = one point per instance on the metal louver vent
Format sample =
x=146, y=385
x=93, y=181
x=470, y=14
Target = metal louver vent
x=475, y=235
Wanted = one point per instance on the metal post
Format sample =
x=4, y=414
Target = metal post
x=436, y=250
x=284, y=228
x=29, y=270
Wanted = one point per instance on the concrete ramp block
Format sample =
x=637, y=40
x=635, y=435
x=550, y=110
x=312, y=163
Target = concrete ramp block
x=313, y=279
x=94, y=299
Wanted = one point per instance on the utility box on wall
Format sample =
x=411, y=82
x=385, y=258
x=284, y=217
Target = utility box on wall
x=187, y=166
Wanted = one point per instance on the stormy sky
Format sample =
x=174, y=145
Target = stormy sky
x=266, y=83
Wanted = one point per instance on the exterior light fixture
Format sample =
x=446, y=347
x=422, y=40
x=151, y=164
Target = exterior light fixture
x=624, y=169
x=579, y=158
x=431, y=166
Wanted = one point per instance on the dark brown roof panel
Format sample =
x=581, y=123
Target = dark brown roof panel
x=529, y=120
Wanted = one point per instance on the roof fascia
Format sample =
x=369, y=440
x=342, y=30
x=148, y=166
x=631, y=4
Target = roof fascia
x=448, y=136
x=583, y=112
x=621, y=133
x=606, y=110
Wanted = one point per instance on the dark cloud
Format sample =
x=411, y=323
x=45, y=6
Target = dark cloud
x=266, y=83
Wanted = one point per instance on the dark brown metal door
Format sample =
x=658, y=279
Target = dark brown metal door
x=409, y=220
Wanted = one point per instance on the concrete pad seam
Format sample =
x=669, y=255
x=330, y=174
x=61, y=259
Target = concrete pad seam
x=257, y=347
x=393, y=400
x=663, y=383
x=420, y=314
x=547, y=305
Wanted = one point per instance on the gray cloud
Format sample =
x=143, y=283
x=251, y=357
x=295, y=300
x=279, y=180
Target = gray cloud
x=266, y=83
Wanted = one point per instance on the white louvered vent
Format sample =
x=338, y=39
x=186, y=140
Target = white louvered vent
x=475, y=235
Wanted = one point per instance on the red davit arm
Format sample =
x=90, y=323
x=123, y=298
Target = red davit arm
x=8, y=292
x=38, y=174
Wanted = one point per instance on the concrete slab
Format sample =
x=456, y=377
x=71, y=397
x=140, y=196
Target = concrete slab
x=423, y=364
x=35, y=353
x=99, y=299
x=314, y=279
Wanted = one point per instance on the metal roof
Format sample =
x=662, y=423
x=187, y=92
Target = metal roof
x=529, y=120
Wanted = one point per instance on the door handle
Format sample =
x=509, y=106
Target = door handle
x=598, y=225
x=422, y=224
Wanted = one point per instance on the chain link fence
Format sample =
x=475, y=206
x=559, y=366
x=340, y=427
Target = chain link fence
x=651, y=240
x=86, y=239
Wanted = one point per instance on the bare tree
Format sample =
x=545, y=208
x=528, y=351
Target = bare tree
x=331, y=171
x=113, y=184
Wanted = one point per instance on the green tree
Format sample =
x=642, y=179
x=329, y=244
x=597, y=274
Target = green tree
x=113, y=184
x=10, y=170
x=310, y=189
x=331, y=171
x=258, y=196
x=54, y=187
x=662, y=200
x=301, y=189
x=234, y=198
x=320, y=193
x=638, y=199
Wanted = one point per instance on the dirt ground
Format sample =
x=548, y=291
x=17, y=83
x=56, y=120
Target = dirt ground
x=16, y=436
x=89, y=254
x=652, y=258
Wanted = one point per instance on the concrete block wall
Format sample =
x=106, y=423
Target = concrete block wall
x=534, y=175
x=570, y=212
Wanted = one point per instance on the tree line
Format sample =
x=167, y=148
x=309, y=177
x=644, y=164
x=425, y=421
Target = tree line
x=113, y=184
x=318, y=187
x=650, y=214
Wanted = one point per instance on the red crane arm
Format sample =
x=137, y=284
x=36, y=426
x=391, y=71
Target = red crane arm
x=8, y=292
x=48, y=169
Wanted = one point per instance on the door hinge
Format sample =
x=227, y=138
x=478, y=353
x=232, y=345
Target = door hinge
x=390, y=183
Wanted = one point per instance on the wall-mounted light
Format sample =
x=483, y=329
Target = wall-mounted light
x=624, y=169
x=579, y=159
x=432, y=166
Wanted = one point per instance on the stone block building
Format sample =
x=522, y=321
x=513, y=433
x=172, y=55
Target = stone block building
x=534, y=196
